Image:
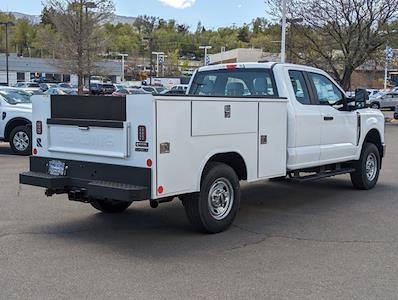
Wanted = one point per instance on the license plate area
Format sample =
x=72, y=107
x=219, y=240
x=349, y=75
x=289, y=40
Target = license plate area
x=56, y=168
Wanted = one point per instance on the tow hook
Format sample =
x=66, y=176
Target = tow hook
x=155, y=203
x=78, y=195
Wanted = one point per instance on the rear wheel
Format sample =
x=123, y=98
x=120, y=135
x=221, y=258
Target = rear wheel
x=214, y=208
x=367, y=168
x=110, y=206
x=21, y=140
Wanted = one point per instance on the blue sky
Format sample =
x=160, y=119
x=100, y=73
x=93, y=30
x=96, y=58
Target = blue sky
x=212, y=13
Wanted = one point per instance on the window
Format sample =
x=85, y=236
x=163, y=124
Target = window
x=327, y=92
x=234, y=83
x=299, y=87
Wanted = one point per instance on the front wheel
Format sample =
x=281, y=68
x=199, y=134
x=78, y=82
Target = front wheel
x=375, y=105
x=367, y=168
x=214, y=208
x=21, y=140
x=110, y=206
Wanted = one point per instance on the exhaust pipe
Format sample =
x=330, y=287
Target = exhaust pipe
x=155, y=203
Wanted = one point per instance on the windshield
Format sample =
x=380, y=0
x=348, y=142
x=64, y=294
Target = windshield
x=15, y=96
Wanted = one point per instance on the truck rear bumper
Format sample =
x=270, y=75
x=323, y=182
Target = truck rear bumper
x=86, y=180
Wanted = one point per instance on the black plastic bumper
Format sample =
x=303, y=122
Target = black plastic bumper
x=87, y=180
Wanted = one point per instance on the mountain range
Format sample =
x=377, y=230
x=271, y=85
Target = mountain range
x=35, y=19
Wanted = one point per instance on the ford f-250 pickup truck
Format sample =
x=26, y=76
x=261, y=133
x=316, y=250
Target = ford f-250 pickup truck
x=250, y=121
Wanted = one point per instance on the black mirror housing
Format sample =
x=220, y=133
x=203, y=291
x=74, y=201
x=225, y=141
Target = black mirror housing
x=361, y=97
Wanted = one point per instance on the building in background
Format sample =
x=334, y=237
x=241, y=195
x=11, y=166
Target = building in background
x=30, y=68
x=241, y=55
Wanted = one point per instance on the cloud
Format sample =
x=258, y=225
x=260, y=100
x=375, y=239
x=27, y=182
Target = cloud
x=181, y=4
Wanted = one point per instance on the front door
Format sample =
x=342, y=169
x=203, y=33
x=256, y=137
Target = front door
x=339, y=132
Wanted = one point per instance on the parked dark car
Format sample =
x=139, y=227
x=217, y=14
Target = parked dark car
x=396, y=112
x=102, y=88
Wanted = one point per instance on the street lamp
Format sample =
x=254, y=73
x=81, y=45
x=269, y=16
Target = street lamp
x=122, y=55
x=6, y=24
x=205, y=48
x=158, y=55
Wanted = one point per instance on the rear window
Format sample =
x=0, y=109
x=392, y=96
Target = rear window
x=234, y=83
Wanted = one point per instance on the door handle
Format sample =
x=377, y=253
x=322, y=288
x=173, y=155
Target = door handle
x=328, y=118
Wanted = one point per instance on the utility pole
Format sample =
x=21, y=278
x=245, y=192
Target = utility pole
x=283, y=35
x=389, y=52
x=205, y=48
x=123, y=55
x=6, y=24
x=158, y=55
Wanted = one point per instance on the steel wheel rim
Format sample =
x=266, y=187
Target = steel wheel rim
x=21, y=141
x=371, y=166
x=221, y=198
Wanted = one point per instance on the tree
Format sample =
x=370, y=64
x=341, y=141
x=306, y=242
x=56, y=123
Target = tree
x=80, y=32
x=340, y=36
x=244, y=34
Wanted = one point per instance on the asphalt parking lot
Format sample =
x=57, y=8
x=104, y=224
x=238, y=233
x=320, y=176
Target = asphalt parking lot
x=321, y=240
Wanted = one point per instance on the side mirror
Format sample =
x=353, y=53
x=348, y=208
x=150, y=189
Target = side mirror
x=361, y=97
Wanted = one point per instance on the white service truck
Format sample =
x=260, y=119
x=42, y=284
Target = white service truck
x=250, y=122
x=16, y=120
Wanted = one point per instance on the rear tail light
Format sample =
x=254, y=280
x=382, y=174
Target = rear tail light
x=39, y=127
x=142, y=133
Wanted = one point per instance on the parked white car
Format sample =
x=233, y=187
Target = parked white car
x=16, y=119
x=238, y=122
x=29, y=86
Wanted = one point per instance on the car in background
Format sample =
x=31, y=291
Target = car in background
x=28, y=86
x=16, y=119
x=180, y=87
x=60, y=91
x=66, y=85
x=173, y=92
x=129, y=91
x=119, y=86
x=372, y=92
x=384, y=100
x=44, y=86
x=102, y=88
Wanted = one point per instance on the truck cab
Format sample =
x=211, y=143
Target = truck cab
x=237, y=122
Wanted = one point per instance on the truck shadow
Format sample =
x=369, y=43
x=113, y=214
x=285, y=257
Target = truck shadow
x=320, y=210
x=5, y=149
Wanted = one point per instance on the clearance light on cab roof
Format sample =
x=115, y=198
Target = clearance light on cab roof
x=232, y=66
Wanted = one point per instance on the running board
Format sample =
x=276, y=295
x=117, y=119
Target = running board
x=321, y=175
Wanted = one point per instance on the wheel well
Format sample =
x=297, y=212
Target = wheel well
x=373, y=137
x=234, y=160
x=12, y=124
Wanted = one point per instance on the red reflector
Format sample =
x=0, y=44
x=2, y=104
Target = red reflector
x=34, y=151
x=39, y=127
x=231, y=66
x=160, y=189
x=149, y=162
x=142, y=133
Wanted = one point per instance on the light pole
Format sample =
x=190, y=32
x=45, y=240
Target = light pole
x=88, y=5
x=158, y=54
x=150, y=40
x=283, y=35
x=205, y=48
x=6, y=24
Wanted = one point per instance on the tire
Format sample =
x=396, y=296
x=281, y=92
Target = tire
x=214, y=208
x=21, y=140
x=367, y=168
x=110, y=206
x=375, y=105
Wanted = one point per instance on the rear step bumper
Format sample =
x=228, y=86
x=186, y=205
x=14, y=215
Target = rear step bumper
x=91, y=190
x=85, y=181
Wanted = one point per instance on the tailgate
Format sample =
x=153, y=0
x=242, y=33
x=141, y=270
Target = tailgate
x=89, y=125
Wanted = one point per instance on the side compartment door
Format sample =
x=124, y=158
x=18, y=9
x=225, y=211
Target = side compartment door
x=339, y=129
x=272, y=139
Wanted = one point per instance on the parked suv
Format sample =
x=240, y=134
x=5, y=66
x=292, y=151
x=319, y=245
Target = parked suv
x=386, y=100
x=102, y=88
x=15, y=120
